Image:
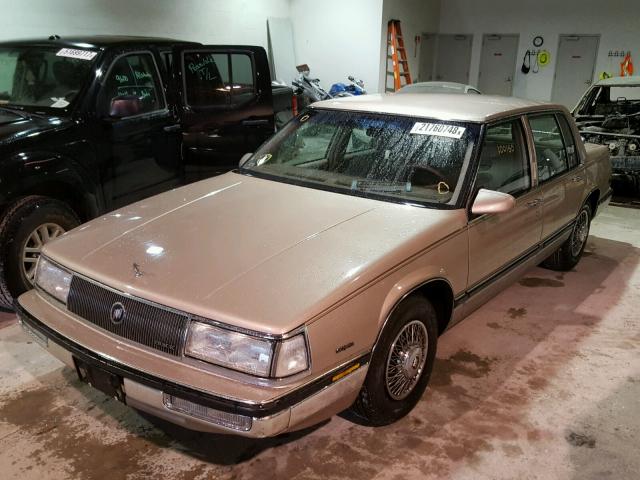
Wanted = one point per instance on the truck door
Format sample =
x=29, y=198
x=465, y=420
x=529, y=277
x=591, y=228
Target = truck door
x=140, y=137
x=226, y=107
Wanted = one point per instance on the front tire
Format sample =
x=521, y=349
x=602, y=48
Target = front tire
x=401, y=364
x=570, y=252
x=28, y=225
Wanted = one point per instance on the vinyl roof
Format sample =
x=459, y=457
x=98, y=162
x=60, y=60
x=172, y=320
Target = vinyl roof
x=619, y=81
x=95, y=41
x=470, y=108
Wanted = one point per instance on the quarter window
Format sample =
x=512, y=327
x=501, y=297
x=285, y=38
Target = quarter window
x=135, y=75
x=567, y=133
x=504, y=165
x=551, y=154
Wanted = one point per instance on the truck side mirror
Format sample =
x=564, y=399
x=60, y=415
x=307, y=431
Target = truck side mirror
x=490, y=201
x=125, y=106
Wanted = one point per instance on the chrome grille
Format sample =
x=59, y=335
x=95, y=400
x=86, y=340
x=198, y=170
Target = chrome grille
x=143, y=322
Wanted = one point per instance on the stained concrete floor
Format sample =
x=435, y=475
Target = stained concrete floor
x=543, y=382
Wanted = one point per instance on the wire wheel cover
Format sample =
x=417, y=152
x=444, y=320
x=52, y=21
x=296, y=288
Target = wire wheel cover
x=406, y=360
x=33, y=247
x=580, y=233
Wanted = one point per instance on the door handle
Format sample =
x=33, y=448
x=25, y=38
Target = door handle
x=254, y=123
x=172, y=128
x=534, y=203
x=576, y=179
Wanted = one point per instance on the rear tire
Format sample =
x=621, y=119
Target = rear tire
x=401, y=364
x=569, y=253
x=27, y=225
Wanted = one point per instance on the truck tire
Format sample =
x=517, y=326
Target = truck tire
x=401, y=364
x=569, y=253
x=26, y=226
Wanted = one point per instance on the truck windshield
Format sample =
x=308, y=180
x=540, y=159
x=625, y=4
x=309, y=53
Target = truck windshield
x=34, y=76
x=396, y=158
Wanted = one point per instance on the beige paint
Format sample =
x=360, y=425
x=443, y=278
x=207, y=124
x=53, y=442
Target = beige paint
x=273, y=257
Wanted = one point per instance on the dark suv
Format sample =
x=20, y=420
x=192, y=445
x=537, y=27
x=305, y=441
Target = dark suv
x=88, y=125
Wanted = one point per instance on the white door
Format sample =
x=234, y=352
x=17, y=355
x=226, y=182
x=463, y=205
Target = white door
x=453, y=58
x=427, y=57
x=498, y=64
x=575, y=64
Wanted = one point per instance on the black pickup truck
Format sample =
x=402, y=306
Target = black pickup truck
x=90, y=124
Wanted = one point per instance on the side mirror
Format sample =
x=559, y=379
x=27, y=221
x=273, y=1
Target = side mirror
x=244, y=159
x=125, y=106
x=490, y=201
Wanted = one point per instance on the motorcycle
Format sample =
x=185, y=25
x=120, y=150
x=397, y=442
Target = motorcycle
x=353, y=88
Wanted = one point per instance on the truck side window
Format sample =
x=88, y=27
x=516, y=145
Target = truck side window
x=567, y=134
x=134, y=75
x=551, y=154
x=242, y=77
x=206, y=77
x=504, y=164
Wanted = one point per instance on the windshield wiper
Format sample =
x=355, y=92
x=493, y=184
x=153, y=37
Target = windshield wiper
x=17, y=110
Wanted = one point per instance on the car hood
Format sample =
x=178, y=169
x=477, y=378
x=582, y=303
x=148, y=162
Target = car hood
x=14, y=126
x=250, y=252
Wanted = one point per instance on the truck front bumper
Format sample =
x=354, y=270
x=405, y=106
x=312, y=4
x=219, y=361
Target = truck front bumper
x=204, y=411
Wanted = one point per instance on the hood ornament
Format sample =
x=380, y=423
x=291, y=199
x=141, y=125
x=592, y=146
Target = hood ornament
x=136, y=270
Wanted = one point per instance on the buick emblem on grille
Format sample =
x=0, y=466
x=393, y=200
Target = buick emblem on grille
x=117, y=313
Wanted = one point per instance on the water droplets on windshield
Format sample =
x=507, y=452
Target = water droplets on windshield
x=370, y=154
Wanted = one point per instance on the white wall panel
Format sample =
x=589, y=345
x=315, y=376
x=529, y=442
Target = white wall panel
x=617, y=21
x=207, y=21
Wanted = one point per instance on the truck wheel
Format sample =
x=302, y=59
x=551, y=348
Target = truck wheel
x=569, y=253
x=401, y=364
x=26, y=227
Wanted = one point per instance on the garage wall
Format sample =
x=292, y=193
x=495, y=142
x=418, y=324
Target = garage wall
x=207, y=21
x=416, y=17
x=615, y=20
x=338, y=38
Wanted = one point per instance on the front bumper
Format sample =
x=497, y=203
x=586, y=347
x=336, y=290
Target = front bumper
x=299, y=409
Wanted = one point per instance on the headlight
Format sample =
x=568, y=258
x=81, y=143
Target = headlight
x=53, y=279
x=246, y=353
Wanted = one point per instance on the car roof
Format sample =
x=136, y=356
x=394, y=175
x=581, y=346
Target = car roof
x=96, y=41
x=442, y=106
x=619, y=81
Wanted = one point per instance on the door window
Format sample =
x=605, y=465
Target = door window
x=135, y=75
x=551, y=154
x=504, y=164
x=570, y=144
x=218, y=79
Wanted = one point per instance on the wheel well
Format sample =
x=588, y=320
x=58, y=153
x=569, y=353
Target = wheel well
x=593, y=201
x=439, y=293
x=65, y=193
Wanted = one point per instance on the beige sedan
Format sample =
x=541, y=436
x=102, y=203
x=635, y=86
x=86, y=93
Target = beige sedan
x=320, y=274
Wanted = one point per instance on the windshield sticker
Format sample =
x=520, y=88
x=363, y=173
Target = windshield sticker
x=380, y=186
x=263, y=159
x=59, y=102
x=75, y=53
x=438, y=130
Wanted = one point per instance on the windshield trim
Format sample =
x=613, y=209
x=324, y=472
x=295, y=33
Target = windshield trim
x=464, y=174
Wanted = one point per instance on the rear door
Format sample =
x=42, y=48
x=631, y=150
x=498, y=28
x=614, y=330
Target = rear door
x=561, y=184
x=226, y=106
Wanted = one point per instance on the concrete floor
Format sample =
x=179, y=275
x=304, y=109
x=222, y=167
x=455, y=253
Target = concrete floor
x=541, y=383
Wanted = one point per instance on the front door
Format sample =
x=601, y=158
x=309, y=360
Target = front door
x=453, y=58
x=498, y=240
x=226, y=106
x=142, y=148
x=498, y=64
x=575, y=66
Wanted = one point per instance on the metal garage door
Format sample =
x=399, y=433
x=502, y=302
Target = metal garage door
x=498, y=64
x=454, y=57
x=575, y=64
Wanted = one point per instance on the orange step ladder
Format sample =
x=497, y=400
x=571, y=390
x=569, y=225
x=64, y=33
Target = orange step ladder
x=400, y=66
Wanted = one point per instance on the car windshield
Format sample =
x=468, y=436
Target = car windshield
x=35, y=76
x=397, y=158
x=610, y=100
